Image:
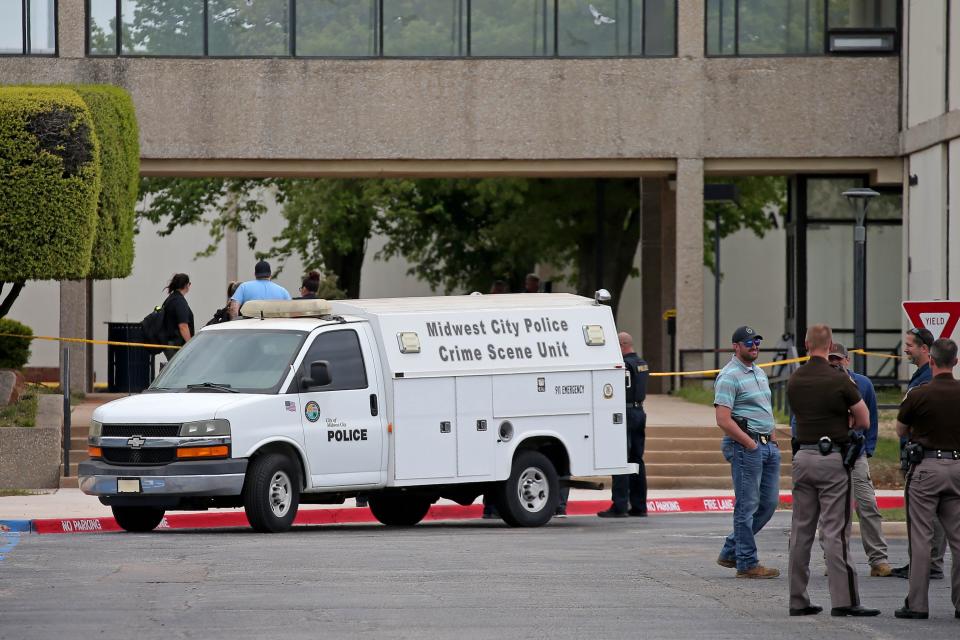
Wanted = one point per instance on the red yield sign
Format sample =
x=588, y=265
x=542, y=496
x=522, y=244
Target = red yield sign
x=940, y=317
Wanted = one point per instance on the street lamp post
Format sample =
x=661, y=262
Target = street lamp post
x=859, y=200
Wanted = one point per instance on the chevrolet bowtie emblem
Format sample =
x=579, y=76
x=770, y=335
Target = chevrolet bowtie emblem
x=136, y=442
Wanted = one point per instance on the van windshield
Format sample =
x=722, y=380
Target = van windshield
x=246, y=361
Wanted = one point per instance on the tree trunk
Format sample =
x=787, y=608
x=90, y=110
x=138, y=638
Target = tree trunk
x=347, y=267
x=11, y=297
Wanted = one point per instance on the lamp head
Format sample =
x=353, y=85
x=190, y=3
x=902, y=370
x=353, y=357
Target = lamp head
x=859, y=200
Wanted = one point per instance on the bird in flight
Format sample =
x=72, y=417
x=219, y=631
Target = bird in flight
x=599, y=18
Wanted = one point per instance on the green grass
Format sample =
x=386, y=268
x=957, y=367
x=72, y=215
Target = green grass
x=5, y=493
x=700, y=395
x=22, y=413
x=889, y=395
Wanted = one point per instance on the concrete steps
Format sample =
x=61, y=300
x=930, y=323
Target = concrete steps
x=689, y=457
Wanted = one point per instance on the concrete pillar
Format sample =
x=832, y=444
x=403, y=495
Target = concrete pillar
x=74, y=318
x=690, y=29
x=71, y=28
x=689, y=252
x=657, y=274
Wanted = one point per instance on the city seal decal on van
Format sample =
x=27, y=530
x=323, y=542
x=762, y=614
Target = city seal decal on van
x=312, y=411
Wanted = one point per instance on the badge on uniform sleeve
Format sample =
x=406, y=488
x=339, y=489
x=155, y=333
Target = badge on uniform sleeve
x=312, y=411
x=643, y=367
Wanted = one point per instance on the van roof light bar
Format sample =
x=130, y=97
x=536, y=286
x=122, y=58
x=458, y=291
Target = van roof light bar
x=285, y=309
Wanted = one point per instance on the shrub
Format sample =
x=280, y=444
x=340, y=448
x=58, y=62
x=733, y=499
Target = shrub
x=115, y=124
x=14, y=352
x=49, y=163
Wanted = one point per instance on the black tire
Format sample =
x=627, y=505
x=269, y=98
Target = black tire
x=271, y=493
x=399, y=511
x=531, y=494
x=137, y=519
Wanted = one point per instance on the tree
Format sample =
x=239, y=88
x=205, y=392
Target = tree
x=50, y=163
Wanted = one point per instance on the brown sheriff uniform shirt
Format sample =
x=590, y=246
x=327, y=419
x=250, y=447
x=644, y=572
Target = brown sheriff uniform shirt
x=821, y=396
x=930, y=411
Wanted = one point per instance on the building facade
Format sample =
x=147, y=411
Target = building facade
x=671, y=92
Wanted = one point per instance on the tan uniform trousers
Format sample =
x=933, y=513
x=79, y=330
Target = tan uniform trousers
x=933, y=490
x=822, y=491
x=871, y=522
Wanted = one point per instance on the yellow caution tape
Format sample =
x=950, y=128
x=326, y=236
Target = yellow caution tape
x=86, y=341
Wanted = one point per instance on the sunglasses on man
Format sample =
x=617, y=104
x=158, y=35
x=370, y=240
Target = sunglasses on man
x=749, y=344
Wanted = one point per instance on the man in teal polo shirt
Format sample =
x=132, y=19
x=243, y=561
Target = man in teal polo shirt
x=745, y=415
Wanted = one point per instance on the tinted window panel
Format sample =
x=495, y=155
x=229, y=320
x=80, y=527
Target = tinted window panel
x=660, y=34
x=342, y=350
x=863, y=14
x=43, y=35
x=103, y=34
x=11, y=27
x=172, y=28
x=601, y=28
x=336, y=28
x=511, y=28
x=249, y=27
x=428, y=28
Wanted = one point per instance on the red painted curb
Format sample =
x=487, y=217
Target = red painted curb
x=351, y=515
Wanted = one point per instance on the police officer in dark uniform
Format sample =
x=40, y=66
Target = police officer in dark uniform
x=823, y=399
x=928, y=417
x=630, y=491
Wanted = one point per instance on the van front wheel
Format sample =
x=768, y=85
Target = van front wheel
x=531, y=494
x=271, y=493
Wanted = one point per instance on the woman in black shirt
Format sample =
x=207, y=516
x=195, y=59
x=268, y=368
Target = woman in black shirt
x=177, y=316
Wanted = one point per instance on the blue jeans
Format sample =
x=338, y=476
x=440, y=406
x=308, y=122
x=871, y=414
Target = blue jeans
x=756, y=484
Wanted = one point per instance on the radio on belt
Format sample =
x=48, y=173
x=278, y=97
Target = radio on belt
x=404, y=400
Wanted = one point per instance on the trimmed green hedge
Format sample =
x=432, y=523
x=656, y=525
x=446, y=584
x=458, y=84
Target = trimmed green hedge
x=49, y=184
x=14, y=352
x=115, y=123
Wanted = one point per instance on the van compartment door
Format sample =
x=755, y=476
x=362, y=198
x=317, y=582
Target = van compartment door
x=476, y=431
x=424, y=428
x=609, y=436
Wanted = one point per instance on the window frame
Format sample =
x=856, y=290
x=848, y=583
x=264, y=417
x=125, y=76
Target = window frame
x=825, y=44
x=464, y=29
x=303, y=370
x=25, y=33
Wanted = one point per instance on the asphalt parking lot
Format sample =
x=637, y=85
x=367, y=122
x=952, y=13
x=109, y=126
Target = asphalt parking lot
x=581, y=577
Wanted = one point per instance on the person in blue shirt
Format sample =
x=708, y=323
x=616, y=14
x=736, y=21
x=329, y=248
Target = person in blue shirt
x=865, y=496
x=744, y=413
x=916, y=346
x=262, y=288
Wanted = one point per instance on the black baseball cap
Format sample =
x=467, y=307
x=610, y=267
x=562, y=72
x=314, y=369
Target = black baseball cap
x=262, y=269
x=745, y=333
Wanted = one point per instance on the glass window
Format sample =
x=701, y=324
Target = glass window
x=249, y=27
x=428, y=28
x=825, y=199
x=251, y=361
x=511, y=28
x=11, y=27
x=863, y=14
x=336, y=27
x=660, y=29
x=342, y=350
x=103, y=34
x=43, y=26
x=600, y=28
x=721, y=27
x=780, y=27
x=172, y=28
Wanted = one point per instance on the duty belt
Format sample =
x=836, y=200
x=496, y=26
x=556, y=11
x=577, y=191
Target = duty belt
x=815, y=447
x=635, y=405
x=942, y=454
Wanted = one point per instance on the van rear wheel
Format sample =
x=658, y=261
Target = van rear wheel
x=137, y=519
x=531, y=494
x=399, y=511
x=271, y=493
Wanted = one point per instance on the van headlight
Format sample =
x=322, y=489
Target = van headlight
x=219, y=427
x=96, y=429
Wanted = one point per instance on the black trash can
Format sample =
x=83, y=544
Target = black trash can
x=129, y=369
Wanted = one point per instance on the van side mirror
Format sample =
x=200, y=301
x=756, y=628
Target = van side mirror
x=319, y=375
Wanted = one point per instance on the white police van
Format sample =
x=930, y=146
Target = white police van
x=404, y=401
